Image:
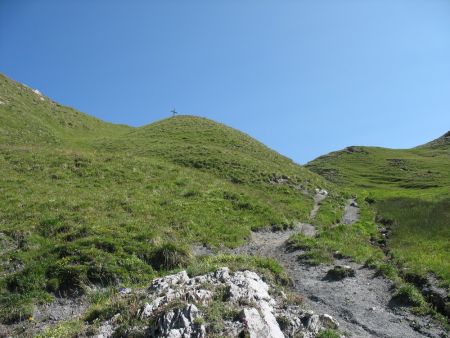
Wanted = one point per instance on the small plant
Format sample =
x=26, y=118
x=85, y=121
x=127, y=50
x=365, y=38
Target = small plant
x=199, y=321
x=340, y=272
x=170, y=256
x=328, y=333
x=294, y=299
x=408, y=295
x=283, y=322
x=62, y=330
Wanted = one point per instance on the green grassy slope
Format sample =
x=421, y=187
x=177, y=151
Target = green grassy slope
x=87, y=202
x=410, y=187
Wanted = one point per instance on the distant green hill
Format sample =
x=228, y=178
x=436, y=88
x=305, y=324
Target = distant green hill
x=88, y=202
x=410, y=187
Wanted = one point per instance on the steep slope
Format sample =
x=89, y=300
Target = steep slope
x=410, y=189
x=90, y=203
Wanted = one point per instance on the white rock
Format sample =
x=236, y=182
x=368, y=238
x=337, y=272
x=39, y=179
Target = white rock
x=269, y=318
x=222, y=274
x=248, y=286
x=199, y=296
x=323, y=192
x=313, y=324
x=160, y=284
x=181, y=323
x=258, y=327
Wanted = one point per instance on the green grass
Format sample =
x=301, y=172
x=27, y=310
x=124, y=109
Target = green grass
x=420, y=234
x=408, y=187
x=86, y=202
x=328, y=333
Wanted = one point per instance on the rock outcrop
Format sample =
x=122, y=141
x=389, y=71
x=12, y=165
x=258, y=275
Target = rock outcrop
x=177, y=306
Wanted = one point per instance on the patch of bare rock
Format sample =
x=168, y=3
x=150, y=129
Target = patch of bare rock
x=180, y=307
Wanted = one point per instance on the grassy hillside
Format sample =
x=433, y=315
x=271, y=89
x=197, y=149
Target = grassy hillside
x=90, y=203
x=410, y=191
x=209, y=146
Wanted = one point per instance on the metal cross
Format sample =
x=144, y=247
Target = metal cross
x=174, y=112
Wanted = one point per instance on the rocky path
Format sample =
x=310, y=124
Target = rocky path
x=362, y=304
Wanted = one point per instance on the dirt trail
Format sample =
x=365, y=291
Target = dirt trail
x=318, y=197
x=362, y=304
x=351, y=212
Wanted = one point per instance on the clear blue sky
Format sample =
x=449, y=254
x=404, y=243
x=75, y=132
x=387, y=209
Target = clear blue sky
x=304, y=77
